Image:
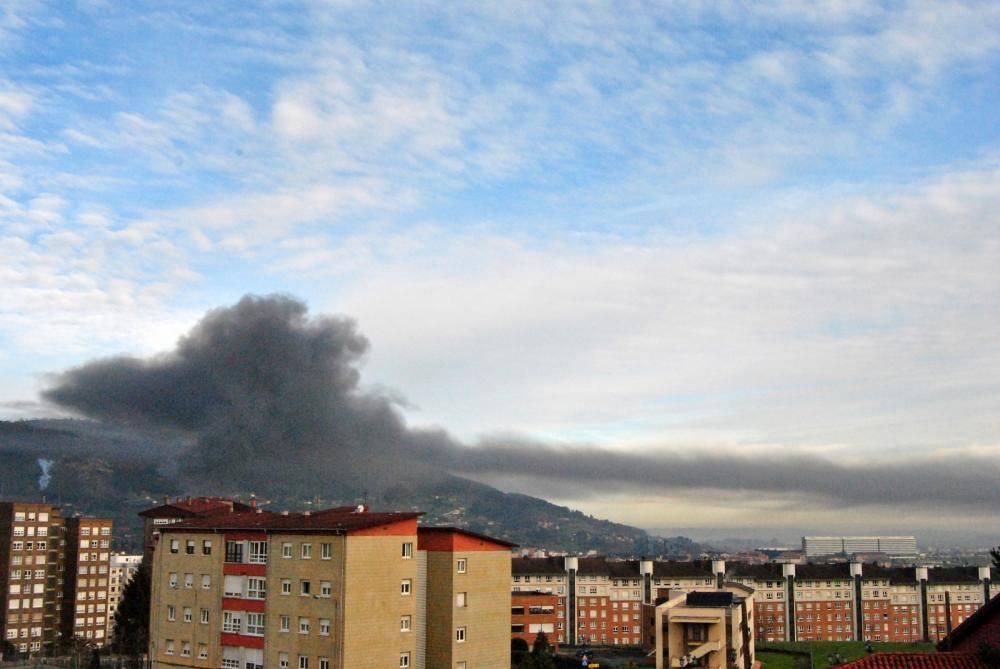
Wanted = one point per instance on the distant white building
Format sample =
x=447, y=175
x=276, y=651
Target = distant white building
x=896, y=546
x=123, y=568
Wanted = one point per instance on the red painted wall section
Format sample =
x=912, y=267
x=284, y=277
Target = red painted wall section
x=246, y=536
x=241, y=569
x=399, y=528
x=238, y=604
x=455, y=542
x=242, y=640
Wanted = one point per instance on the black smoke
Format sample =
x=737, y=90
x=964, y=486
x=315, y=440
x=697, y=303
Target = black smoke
x=269, y=396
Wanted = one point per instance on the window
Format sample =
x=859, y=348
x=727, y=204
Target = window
x=404, y=661
x=303, y=662
x=256, y=588
x=305, y=588
x=325, y=588
x=282, y=660
x=286, y=586
x=189, y=547
x=326, y=551
x=285, y=623
x=407, y=550
x=460, y=599
x=286, y=550
x=461, y=565
x=234, y=551
x=324, y=626
x=175, y=545
x=171, y=612
x=258, y=552
x=405, y=586
x=206, y=547
x=170, y=647
x=189, y=581
x=324, y=663
x=186, y=648
x=307, y=551
x=202, y=651
x=460, y=635
x=405, y=623
x=206, y=582
x=233, y=586
x=232, y=621
x=188, y=614
x=304, y=626
x=255, y=624
x=204, y=616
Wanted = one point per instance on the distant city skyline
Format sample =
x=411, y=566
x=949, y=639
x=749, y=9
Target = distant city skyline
x=671, y=264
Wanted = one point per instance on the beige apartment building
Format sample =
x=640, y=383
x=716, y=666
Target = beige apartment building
x=464, y=601
x=709, y=629
x=338, y=588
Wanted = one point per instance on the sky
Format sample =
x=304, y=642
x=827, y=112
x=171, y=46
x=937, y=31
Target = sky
x=746, y=238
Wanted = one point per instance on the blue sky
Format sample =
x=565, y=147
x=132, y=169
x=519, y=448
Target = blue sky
x=707, y=227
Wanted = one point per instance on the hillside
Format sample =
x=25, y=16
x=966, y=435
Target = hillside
x=99, y=469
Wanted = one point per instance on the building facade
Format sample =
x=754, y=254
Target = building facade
x=329, y=589
x=708, y=629
x=893, y=546
x=123, y=568
x=87, y=548
x=31, y=575
x=185, y=508
x=607, y=602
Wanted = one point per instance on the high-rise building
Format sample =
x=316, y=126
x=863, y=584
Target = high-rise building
x=87, y=551
x=894, y=546
x=329, y=589
x=31, y=574
x=123, y=568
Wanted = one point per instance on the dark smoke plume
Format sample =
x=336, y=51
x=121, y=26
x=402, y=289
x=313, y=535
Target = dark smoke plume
x=269, y=396
x=266, y=394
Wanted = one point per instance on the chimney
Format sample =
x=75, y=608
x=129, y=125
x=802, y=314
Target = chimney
x=253, y=501
x=307, y=513
x=284, y=513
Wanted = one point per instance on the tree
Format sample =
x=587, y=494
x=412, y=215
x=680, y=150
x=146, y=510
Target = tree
x=995, y=554
x=131, y=635
x=541, y=645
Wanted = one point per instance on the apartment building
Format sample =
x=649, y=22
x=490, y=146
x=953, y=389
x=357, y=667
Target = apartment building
x=895, y=546
x=31, y=574
x=123, y=568
x=709, y=629
x=87, y=560
x=338, y=588
x=602, y=601
x=463, y=599
x=185, y=508
x=532, y=612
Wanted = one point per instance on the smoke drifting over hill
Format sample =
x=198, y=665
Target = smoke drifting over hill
x=266, y=393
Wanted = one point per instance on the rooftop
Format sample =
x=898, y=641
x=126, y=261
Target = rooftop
x=337, y=520
x=917, y=661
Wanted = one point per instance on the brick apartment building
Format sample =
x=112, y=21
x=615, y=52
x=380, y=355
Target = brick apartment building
x=181, y=509
x=602, y=601
x=328, y=589
x=53, y=576
x=534, y=612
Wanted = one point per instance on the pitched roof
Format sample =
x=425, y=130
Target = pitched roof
x=196, y=506
x=338, y=520
x=447, y=529
x=917, y=661
x=532, y=566
x=988, y=611
x=953, y=575
x=671, y=568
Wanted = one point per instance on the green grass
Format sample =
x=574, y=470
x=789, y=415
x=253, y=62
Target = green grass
x=823, y=650
x=781, y=661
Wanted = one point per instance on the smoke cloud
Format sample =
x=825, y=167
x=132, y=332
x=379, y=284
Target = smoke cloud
x=268, y=395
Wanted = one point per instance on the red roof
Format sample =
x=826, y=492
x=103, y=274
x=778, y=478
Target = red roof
x=196, y=506
x=982, y=616
x=427, y=530
x=337, y=520
x=917, y=661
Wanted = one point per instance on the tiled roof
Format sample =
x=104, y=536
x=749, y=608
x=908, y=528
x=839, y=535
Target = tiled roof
x=696, y=569
x=338, y=520
x=196, y=506
x=953, y=575
x=987, y=612
x=768, y=572
x=837, y=570
x=532, y=566
x=917, y=661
